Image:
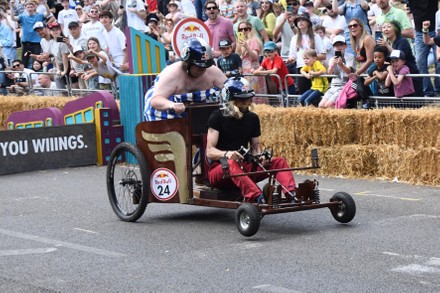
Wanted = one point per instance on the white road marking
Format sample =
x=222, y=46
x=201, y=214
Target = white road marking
x=58, y=243
x=416, y=269
x=26, y=251
x=84, y=230
x=275, y=289
x=387, y=196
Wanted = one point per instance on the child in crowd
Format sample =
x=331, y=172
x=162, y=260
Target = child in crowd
x=340, y=65
x=378, y=72
x=274, y=64
x=312, y=70
x=403, y=85
x=227, y=9
x=229, y=62
x=328, y=47
x=78, y=67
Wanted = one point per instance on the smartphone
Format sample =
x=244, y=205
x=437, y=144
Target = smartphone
x=378, y=35
x=290, y=8
x=60, y=39
x=338, y=54
x=240, y=36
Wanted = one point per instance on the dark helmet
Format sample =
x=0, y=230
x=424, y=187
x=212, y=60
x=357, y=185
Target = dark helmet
x=197, y=51
x=236, y=87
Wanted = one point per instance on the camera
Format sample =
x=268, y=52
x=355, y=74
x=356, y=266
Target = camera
x=60, y=39
x=20, y=79
x=378, y=35
x=338, y=54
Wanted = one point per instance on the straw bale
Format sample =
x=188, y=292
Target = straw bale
x=11, y=104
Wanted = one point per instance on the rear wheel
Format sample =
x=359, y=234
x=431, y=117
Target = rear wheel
x=127, y=184
x=247, y=219
x=346, y=210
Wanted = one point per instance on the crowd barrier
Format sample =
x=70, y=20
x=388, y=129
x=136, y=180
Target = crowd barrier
x=32, y=89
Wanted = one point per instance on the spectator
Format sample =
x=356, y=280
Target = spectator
x=342, y=64
x=352, y=9
x=21, y=78
x=226, y=9
x=391, y=13
x=310, y=9
x=313, y=70
x=284, y=29
x=94, y=28
x=47, y=86
x=30, y=39
x=426, y=37
x=274, y=64
x=46, y=43
x=155, y=31
x=66, y=16
x=394, y=41
x=403, y=85
x=136, y=15
x=174, y=11
x=37, y=66
x=249, y=48
x=363, y=44
x=374, y=12
x=241, y=13
x=103, y=68
x=61, y=51
x=229, y=62
x=334, y=23
x=167, y=35
x=304, y=40
x=327, y=44
x=162, y=6
x=198, y=5
x=378, y=72
x=7, y=38
x=77, y=67
x=3, y=79
x=268, y=17
x=116, y=42
x=220, y=27
x=422, y=11
x=110, y=5
x=252, y=7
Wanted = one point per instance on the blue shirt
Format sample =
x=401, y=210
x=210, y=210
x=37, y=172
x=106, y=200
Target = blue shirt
x=27, y=24
x=6, y=35
x=204, y=96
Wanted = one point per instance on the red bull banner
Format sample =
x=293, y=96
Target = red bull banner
x=190, y=28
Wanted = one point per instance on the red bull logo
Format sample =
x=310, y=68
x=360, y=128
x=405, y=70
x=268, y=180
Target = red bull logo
x=191, y=28
x=162, y=175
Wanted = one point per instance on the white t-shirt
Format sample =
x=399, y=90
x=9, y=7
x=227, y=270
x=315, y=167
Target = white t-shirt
x=133, y=20
x=319, y=48
x=337, y=22
x=115, y=40
x=46, y=46
x=286, y=36
x=96, y=30
x=65, y=17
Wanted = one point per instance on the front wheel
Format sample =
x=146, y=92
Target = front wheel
x=247, y=219
x=346, y=210
x=127, y=184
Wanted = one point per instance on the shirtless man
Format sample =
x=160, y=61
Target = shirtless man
x=193, y=79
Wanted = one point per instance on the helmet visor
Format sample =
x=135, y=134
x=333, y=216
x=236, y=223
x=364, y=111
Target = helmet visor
x=204, y=63
x=246, y=95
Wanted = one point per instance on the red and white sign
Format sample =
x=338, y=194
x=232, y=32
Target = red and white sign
x=163, y=184
x=190, y=28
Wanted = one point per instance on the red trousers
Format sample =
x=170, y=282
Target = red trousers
x=246, y=184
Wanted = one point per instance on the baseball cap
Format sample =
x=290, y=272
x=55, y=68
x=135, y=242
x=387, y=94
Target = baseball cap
x=396, y=54
x=77, y=49
x=308, y=3
x=338, y=39
x=90, y=55
x=38, y=25
x=73, y=24
x=53, y=24
x=270, y=46
x=153, y=18
x=224, y=43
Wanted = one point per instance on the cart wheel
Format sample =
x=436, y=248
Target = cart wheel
x=346, y=210
x=247, y=219
x=127, y=184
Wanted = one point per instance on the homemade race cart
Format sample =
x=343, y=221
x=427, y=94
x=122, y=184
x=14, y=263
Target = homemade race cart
x=161, y=168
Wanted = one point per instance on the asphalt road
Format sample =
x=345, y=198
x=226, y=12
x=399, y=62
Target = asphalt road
x=58, y=233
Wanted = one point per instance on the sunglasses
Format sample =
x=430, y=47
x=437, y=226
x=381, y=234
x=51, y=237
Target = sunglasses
x=269, y=51
x=211, y=8
x=355, y=25
x=245, y=29
x=15, y=65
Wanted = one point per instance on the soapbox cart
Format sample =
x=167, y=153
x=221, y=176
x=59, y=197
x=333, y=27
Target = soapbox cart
x=161, y=168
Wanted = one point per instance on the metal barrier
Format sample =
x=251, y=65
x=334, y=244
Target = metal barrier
x=40, y=91
x=273, y=99
x=379, y=101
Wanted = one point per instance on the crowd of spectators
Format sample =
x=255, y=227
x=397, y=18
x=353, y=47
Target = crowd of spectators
x=81, y=43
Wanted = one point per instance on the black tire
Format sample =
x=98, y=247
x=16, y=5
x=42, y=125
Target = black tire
x=346, y=211
x=127, y=184
x=247, y=219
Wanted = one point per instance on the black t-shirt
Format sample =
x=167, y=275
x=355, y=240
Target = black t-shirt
x=234, y=133
x=230, y=63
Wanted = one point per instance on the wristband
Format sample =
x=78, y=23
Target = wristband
x=425, y=31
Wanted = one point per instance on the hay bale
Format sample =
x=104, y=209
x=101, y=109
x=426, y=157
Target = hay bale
x=11, y=104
